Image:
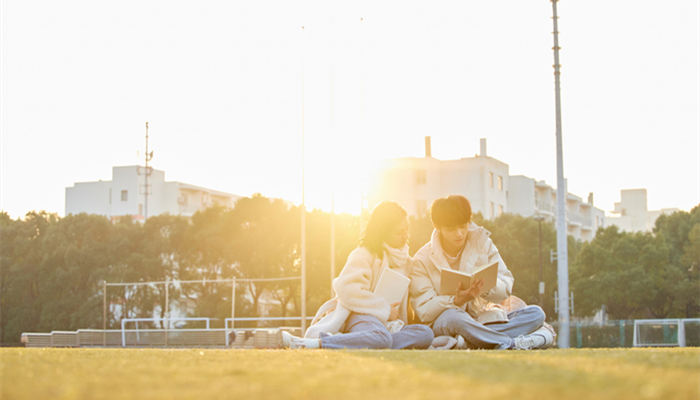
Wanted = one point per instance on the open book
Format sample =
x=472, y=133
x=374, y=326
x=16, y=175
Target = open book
x=392, y=285
x=450, y=279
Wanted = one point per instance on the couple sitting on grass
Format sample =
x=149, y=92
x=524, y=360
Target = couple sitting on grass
x=357, y=318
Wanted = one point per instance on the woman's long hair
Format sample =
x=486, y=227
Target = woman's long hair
x=385, y=217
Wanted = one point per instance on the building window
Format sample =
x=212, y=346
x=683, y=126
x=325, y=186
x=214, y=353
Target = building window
x=492, y=210
x=491, y=180
x=500, y=210
x=500, y=183
x=420, y=176
x=125, y=195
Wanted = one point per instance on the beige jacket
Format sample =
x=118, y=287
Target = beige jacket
x=430, y=259
x=354, y=289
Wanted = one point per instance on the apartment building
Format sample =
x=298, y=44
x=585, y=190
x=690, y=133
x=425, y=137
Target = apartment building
x=416, y=182
x=126, y=194
x=632, y=213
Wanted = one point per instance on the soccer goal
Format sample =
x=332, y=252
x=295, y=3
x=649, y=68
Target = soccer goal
x=659, y=333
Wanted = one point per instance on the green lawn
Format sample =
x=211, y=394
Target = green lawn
x=336, y=375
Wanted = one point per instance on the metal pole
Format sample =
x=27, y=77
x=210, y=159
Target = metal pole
x=303, y=203
x=104, y=313
x=167, y=308
x=541, y=287
x=562, y=253
x=145, y=195
x=332, y=119
x=332, y=243
x=233, y=301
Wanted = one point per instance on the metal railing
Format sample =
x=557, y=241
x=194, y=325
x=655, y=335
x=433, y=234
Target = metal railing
x=154, y=320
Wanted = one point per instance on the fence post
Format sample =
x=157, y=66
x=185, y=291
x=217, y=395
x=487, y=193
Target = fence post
x=104, y=313
x=233, y=301
x=681, y=333
x=167, y=309
x=668, y=336
x=622, y=333
x=579, y=335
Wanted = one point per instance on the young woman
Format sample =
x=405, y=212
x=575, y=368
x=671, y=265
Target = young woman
x=357, y=318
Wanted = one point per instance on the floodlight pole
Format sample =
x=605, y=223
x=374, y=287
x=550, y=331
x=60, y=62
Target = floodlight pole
x=233, y=301
x=303, y=200
x=147, y=173
x=104, y=313
x=539, y=220
x=167, y=307
x=562, y=252
x=333, y=161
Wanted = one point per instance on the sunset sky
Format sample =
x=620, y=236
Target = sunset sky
x=222, y=84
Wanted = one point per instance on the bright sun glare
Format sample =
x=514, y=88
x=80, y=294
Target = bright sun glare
x=343, y=179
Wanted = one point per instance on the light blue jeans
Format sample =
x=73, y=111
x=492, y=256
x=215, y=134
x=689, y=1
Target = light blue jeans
x=364, y=331
x=493, y=336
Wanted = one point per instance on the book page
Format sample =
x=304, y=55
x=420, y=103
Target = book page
x=392, y=285
x=450, y=279
x=489, y=275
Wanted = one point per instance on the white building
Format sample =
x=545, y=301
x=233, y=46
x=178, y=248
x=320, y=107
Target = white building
x=125, y=194
x=416, y=182
x=531, y=198
x=632, y=214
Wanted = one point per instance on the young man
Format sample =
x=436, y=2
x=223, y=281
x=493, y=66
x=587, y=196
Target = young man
x=460, y=244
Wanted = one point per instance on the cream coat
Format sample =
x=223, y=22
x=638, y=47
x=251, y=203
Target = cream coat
x=430, y=259
x=354, y=289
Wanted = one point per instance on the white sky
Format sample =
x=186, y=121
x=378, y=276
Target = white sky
x=220, y=83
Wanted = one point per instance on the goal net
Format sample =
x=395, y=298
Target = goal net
x=658, y=333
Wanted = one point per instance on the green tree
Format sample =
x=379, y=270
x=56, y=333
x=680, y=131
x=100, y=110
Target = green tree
x=518, y=241
x=628, y=272
x=680, y=233
x=21, y=272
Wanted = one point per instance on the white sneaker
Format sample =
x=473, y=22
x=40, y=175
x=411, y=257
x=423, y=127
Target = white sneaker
x=294, y=342
x=287, y=339
x=547, y=333
x=527, y=342
x=461, y=343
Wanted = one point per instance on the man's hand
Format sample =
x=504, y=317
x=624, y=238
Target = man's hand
x=464, y=295
x=394, y=314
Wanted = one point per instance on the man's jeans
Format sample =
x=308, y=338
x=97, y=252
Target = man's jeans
x=493, y=336
x=366, y=332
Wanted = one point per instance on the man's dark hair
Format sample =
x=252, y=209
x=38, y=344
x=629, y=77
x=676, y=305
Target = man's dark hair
x=385, y=217
x=451, y=211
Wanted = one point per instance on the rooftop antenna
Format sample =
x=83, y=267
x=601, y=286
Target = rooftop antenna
x=146, y=173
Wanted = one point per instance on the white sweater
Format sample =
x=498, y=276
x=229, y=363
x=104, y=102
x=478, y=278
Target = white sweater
x=430, y=259
x=354, y=289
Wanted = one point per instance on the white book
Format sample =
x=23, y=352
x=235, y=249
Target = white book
x=392, y=285
x=450, y=279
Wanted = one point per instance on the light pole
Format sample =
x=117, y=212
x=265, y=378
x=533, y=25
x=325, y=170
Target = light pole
x=303, y=199
x=539, y=220
x=562, y=251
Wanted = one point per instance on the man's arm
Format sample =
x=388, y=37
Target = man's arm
x=427, y=304
x=504, y=284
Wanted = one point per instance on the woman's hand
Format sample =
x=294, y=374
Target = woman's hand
x=394, y=314
x=465, y=295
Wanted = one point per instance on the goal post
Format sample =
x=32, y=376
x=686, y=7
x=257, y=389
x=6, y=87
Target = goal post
x=659, y=333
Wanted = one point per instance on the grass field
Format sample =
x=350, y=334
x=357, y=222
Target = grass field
x=307, y=374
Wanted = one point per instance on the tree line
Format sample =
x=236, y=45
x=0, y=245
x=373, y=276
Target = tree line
x=52, y=269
